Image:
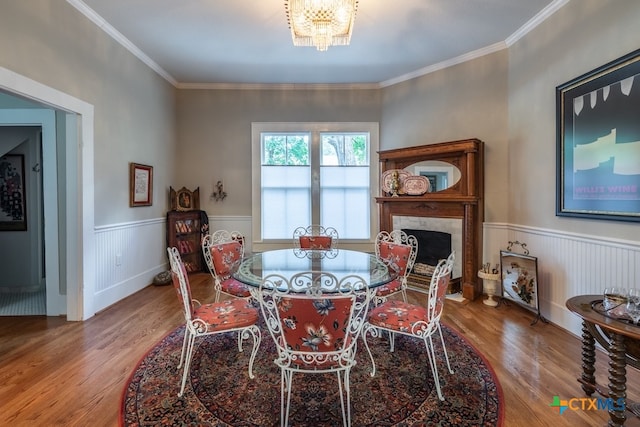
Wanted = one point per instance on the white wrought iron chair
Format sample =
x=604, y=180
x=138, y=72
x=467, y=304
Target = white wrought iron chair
x=315, y=320
x=398, y=250
x=315, y=237
x=234, y=315
x=413, y=320
x=223, y=251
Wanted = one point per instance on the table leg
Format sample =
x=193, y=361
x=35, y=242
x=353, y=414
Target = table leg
x=588, y=360
x=617, y=380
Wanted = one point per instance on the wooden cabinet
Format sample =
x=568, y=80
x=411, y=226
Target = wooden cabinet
x=185, y=231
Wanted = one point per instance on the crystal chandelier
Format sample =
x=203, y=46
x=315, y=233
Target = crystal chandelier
x=321, y=23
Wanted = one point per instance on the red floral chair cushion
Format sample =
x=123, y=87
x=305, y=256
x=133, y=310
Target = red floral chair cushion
x=389, y=288
x=235, y=313
x=225, y=257
x=233, y=287
x=398, y=315
x=397, y=256
x=229, y=314
x=315, y=242
x=314, y=325
x=401, y=316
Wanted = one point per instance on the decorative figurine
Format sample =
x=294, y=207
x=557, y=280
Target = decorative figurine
x=395, y=184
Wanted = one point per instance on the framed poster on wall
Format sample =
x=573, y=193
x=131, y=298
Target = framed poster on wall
x=598, y=142
x=13, y=205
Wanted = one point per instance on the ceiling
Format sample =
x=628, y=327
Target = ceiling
x=247, y=42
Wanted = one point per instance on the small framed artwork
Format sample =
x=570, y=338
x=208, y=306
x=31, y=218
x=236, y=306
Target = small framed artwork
x=598, y=143
x=140, y=185
x=13, y=202
x=520, y=278
x=184, y=199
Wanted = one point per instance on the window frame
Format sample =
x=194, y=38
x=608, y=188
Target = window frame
x=315, y=129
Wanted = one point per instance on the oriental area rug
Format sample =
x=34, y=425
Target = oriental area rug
x=220, y=393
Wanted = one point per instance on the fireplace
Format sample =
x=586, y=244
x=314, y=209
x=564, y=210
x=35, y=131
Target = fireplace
x=456, y=210
x=433, y=246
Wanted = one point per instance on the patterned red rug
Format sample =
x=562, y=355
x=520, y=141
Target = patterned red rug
x=402, y=393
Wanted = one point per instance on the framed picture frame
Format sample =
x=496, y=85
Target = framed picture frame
x=13, y=196
x=140, y=185
x=184, y=199
x=598, y=142
x=520, y=279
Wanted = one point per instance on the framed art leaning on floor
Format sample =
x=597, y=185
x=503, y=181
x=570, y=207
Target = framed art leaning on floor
x=520, y=279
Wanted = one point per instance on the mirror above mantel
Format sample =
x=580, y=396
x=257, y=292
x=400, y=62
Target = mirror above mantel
x=441, y=175
x=460, y=163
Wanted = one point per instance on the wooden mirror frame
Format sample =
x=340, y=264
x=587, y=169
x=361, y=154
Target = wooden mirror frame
x=462, y=200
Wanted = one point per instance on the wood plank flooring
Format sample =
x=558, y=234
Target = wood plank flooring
x=54, y=372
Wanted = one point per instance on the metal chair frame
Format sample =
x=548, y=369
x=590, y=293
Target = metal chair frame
x=423, y=328
x=310, y=298
x=196, y=327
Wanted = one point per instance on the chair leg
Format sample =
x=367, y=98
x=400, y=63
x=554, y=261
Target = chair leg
x=257, y=339
x=374, y=332
x=187, y=362
x=392, y=342
x=446, y=356
x=184, y=346
x=287, y=378
x=431, y=355
x=343, y=386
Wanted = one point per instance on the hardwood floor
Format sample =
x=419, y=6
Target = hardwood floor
x=54, y=372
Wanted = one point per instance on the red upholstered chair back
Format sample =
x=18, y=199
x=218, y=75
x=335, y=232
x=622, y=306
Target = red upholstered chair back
x=225, y=258
x=315, y=237
x=315, y=318
x=398, y=250
x=315, y=242
x=397, y=256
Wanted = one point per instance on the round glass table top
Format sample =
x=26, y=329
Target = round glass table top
x=339, y=262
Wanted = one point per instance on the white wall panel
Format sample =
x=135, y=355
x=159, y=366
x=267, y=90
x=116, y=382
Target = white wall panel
x=569, y=264
x=128, y=256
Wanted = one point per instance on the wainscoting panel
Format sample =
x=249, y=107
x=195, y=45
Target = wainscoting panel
x=128, y=256
x=568, y=265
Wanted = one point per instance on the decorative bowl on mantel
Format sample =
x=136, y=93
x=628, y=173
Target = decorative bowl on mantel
x=416, y=185
x=387, y=177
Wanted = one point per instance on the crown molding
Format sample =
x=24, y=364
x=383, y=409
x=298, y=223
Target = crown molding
x=279, y=86
x=118, y=37
x=549, y=10
x=509, y=41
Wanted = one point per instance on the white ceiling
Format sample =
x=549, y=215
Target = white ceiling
x=233, y=42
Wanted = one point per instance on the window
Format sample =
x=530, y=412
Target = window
x=314, y=173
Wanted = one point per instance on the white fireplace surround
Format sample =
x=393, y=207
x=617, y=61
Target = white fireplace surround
x=452, y=226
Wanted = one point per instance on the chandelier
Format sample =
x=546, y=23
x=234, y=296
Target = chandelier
x=321, y=23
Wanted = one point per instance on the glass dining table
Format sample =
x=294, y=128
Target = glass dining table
x=339, y=262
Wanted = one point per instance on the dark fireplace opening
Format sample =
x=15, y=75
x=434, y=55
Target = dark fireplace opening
x=433, y=246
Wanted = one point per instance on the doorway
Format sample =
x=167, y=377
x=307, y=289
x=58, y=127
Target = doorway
x=23, y=282
x=68, y=197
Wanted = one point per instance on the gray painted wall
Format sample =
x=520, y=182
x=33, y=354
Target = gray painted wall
x=214, y=133
x=581, y=36
x=52, y=43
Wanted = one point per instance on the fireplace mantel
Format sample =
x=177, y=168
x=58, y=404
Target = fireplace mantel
x=463, y=199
